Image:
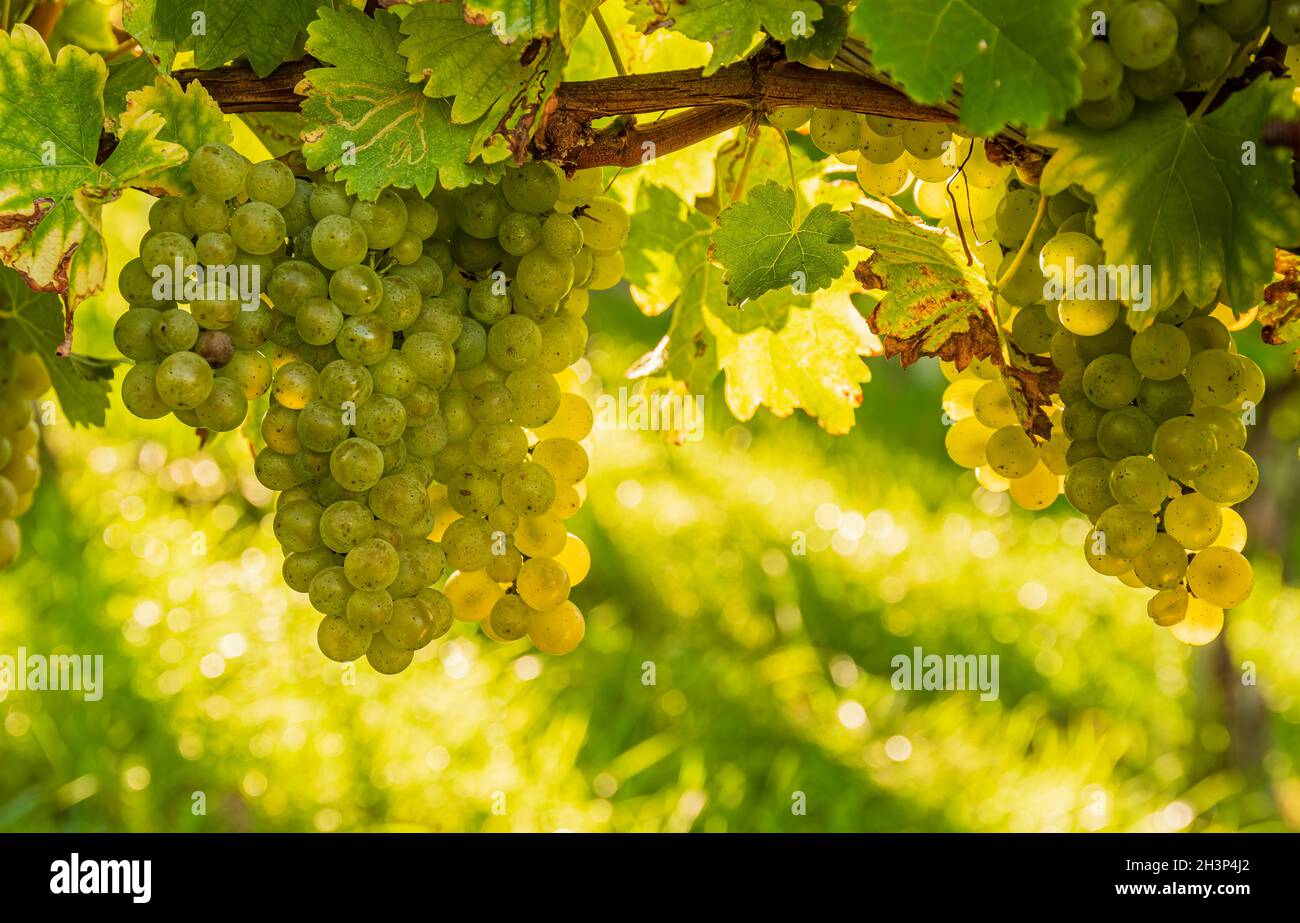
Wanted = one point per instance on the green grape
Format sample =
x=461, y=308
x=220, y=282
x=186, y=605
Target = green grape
x=457, y=416
x=380, y=420
x=491, y=402
x=584, y=268
x=563, y=340
x=407, y=250
x=440, y=608
x=467, y=543
x=297, y=526
x=202, y=214
x=926, y=140
x=1105, y=114
x=514, y=342
x=1241, y=18
x=1284, y=21
x=346, y=524
x=383, y=221
x=410, y=627
x=519, y=233
x=605, y=225
x=365, y=339
x=1087, y=486
x=1111, y=381
x=1230, y=477
x=356, y=289
x=883, y=180
x=1194, y=521
x=1229, y=430
x=218, y=170
x=225, y=407
x=1162, y=565
x=510, y=618
x=565, y=460
x=139, y=394
x=541, y=536
x=329, y=591
x=543, y=278
x=422, y=564
x=214, y=315
x=340, y=642
x=1032, y=330
x=1086, y=317
x=295, y=385
x=311, y=466
x=293, y=282
x=368, y=610
x=216, y=248
x=338, y=241
x=257, y=228
x=321, y=426
x=165, y=249
x=431, y=359
x=790, y=118
x=1139, y=483
x=1216, y=377
x=1206, y=333
x=371, y=564
x=425, y=274
x=421, y=404
x=1161, y=352
x=480, y=211
x=1066, y=252
x=271, y=182
x=497, y=447
x=136, y=285
x=1143, y=34
x=357, y=464
x=1065, y=355
x=1117, y=338
x=535, y=394
x=573, y=420
x=470, y=347
x=399, y=500
x=528, y=489
x=562, y=236
x=342, y=381
x=386, y=659
x=297, y=212
x=1103, y=73
x=1105, y=564
x=542, y=583
x=421, y=218
x=439, y=317
x=1221, y=577
x=1164, y=400
x=1126, y=533
x=1159, y=82
x=168, y=214
x=1254, y=385
x=133, y=334
x=534, y=187
x=275, y=471
x=472, y=491
x=992, y=406
x=606, y=271
x=250, y=370
x=394, y=376
x=1026, y=286
x=1081, y=449
x=329, y=198
x=183, y=380
x=1177, y=312
x=475, y=255
x=280, y=430
x=1125, y=431
x=835, y=131
x=1168, y=607
x=427, y=439
x=318, y=321
x=488, y=300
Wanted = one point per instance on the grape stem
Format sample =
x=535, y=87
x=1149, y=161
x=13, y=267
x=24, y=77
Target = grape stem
x=794, y=182
x=739, y=188
x=1011, y=271
x=608, y=36
x=1212, y=93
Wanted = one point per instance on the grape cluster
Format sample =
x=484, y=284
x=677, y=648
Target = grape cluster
x=1159, y=421
x=23, y=379
x=1151, y=49
x=423, y=415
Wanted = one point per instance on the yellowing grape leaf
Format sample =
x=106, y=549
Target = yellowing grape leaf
x=730, y=26
x=762, y=249
x=137, y=19
x=513, y=19
x=1201, y=203
x=366, y=123
x=218, y=31
x=33, y=322
x=666, y=234
x=51, y=188
x=192, y=120
x=1279, y=312
x=502, y=87
x=1015, y=58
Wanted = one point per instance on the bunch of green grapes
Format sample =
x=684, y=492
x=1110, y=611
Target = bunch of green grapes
x=23, y=378
x=986, y=435
x=197, y=324
x=1158, y=421
x=1151, y=49
x=411, y=348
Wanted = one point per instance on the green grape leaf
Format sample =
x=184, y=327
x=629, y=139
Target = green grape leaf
x=1201, y=203
x=665, y=236
x=503, y=87
x=192, y=120
x=762, y=250
x=366, y=123
x=1015, y=60
x=84, y=23
x=279, y=132
x=33, y=322
x=934, y=304
x=217, y=31
x=823, y=39
x=730, y=26
x=515, y=19
x=53, y=190
x=812, y=363
x=124, y=76
x=138, y=19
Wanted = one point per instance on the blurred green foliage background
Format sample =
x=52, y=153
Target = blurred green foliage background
x=727, y=683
